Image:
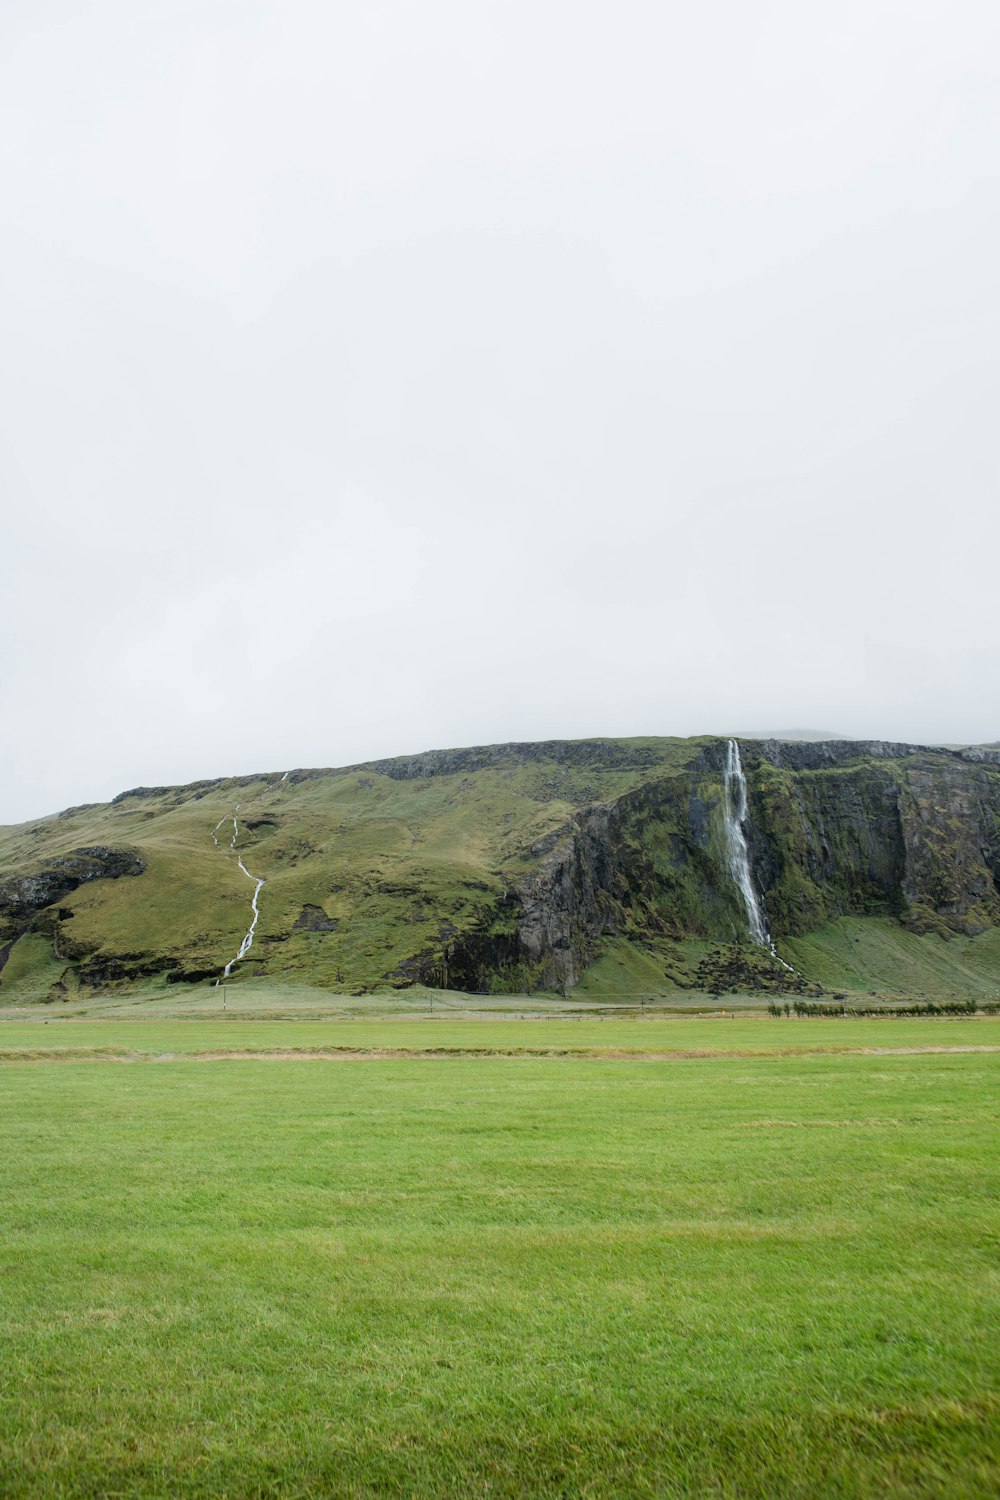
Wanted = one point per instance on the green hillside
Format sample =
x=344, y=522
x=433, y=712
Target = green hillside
x=592, y=867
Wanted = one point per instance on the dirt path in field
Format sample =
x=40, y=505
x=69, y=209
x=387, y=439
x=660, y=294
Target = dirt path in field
x=438, y=1054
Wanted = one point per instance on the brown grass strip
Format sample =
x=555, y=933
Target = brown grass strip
x=442, y=1054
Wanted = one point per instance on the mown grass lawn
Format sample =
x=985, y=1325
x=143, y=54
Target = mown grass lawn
x=728, y=1276
x=760, y=1034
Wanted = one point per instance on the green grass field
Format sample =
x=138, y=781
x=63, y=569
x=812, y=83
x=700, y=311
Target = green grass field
x=766, y=1271
x=164, y=1040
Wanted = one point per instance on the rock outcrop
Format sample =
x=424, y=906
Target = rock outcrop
x=836, y=829
x=26, y=896
x=504, y=868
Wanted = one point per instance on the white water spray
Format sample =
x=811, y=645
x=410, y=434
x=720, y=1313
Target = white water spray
x=735, y=814
x=736, y=845
x=247, y=942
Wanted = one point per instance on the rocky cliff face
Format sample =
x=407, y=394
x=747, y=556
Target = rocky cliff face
x=915, y=834
x=27, y=900
x=508, y=867
x=836, y=829
x=950, y=817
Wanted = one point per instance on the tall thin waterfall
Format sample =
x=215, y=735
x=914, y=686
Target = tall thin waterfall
x=736, y=845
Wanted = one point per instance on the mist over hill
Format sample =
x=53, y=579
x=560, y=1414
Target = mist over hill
x=520, y=867
x=790, y=734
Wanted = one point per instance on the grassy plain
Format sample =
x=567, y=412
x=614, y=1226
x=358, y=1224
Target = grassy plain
x=756, y=1272
x=163, y=1040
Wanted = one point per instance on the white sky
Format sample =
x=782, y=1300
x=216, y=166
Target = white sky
x=380, y=376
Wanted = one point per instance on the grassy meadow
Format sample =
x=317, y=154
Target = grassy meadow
x=604, y=1256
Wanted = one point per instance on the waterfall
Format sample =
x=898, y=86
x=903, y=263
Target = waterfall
x=247, y=942
x=736, y=845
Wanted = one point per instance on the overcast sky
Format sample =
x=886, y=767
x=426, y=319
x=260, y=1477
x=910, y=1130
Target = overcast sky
x=380, y=376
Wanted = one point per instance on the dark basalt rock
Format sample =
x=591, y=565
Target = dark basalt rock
x=31, y=892
x=914, y=835
x=120, y=968
x=748, y=968
x=804, y=755
x=609, y=754
x=843, y=828
x=24, y=897
x=192, y=790
x=314, y=919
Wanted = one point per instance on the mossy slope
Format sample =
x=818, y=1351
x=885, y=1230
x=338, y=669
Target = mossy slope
x=504, y=868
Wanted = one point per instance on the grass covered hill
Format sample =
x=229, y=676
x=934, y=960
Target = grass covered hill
x=521, y=867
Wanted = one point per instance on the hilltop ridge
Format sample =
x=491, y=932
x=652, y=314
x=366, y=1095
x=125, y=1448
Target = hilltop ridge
x=503, y=868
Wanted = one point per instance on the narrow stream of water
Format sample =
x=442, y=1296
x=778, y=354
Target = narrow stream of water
x=247, y=942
